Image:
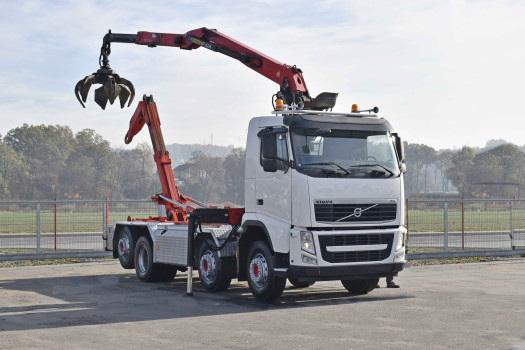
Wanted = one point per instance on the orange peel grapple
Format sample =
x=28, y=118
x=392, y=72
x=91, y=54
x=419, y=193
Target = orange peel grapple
x=113, y=85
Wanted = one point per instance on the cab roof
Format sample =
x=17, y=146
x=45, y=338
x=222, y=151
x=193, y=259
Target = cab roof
x=342, y=121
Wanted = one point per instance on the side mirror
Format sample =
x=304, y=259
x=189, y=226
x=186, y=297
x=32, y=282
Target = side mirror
x=269, y=145
x=400, y=148
x=403, y=168
x=270, y=165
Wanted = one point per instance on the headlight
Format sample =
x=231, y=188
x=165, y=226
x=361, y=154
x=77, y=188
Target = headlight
x=400, y=240
x=307, y=242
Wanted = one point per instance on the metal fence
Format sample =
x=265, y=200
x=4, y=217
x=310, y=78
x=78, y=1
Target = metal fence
x=70, y=228
x=465, y=227
x=73, y=228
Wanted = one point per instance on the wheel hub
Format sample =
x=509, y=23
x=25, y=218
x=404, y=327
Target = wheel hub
x=123, y=247
x=259, y=271
x=143, y=260
x=208, y=266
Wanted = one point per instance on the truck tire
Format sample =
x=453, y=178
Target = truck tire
x=360, y=286
x=262, y=281
x=146, y=270
x=125, y=248
x=215, y=273
x=297, y=284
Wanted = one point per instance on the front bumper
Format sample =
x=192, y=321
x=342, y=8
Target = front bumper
x=328, y=273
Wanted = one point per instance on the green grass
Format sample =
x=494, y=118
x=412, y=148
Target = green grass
x=20, y=222
x=475, y=220
x=430, y=220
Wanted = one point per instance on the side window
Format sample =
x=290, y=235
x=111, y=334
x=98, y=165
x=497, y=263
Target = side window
x=282, y=152
x=282, y=149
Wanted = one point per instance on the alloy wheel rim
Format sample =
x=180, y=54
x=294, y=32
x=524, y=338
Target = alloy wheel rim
x=259, y=271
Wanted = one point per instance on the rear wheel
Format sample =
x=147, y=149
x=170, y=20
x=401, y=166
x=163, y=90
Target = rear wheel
x=146, y=270
x=125, y=248
x=360, y=286
x=298, y=284
x=215, y=273
x=261, y=278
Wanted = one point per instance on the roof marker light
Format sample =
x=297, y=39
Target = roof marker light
x=355, y=108
x=279, y=104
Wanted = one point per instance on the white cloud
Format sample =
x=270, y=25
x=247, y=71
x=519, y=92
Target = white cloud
x=444, y=73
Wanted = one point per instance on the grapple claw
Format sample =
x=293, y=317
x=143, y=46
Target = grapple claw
x=126, y=83
x=112, y=89
x=77, y=91
x=124, y=94
x=113, y=86
x=101, y=98
x=88, y=81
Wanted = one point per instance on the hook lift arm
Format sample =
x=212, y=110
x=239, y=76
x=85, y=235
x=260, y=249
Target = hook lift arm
x=174, y=202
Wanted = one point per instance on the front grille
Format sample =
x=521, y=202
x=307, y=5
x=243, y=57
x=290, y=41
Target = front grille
x=355, y=212
x=355, y=240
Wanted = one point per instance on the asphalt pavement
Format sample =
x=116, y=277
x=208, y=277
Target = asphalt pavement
x=101, y=306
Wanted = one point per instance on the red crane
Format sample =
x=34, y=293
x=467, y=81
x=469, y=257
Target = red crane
x=292, y=91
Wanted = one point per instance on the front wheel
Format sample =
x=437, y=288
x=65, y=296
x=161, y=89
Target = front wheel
x=261, y=278
x=215, y=273
x=360, y=286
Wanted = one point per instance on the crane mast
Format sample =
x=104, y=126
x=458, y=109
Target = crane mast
x=146, y=113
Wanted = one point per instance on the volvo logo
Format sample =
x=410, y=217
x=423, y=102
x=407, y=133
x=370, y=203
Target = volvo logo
x=357, y=213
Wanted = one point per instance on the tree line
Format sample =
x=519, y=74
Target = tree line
x=496, y=171
x=42, y=162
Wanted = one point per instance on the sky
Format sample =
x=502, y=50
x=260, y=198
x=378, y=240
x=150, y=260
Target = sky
x=444, y=73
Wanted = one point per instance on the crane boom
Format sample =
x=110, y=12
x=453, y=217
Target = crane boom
x=293, y=90
x=290, y=78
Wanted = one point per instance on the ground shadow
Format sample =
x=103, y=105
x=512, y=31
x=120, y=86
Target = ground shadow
x=103, y=299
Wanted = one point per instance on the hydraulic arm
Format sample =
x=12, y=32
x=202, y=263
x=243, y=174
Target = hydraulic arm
x=171, y=198
x=292, y=91
x=176, y=204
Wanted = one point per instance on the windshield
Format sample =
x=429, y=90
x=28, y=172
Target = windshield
x=344, y=153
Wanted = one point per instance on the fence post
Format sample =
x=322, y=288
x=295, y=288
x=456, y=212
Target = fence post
x=512, y=226
x=38, y=228
x=406, y=221
x=55, y=224
x=445, y=210
x=107, y=222
x=104, y=222
x=462, y=223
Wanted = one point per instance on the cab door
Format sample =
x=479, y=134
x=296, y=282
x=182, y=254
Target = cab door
x=273, y=188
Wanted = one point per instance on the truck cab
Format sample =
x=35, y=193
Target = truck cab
x=324, y=200
x=324, y=192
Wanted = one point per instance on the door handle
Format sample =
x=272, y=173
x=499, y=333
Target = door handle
x=260, y=202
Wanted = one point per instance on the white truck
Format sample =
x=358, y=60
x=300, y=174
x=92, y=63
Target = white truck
x=324, y=200
x=324, y=192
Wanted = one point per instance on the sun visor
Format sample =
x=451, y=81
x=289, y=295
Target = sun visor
x=342, y=122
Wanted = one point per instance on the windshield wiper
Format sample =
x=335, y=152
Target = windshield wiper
x=329, y=163
x=372, y=165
